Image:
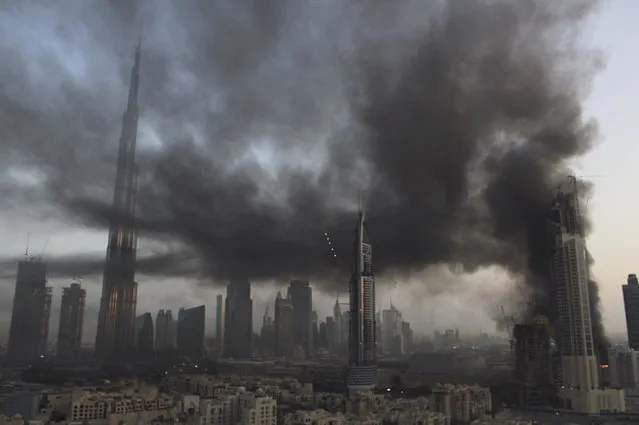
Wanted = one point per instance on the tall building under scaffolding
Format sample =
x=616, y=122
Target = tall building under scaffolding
x=580, y=389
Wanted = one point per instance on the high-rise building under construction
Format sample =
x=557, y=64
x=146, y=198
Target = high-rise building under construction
x=362, y=349
x=569, y=276
x=116, y=320
x=29, y=328
x=533, y=363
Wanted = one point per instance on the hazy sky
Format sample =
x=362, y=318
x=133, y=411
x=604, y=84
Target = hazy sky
x=612, y=206
x=613, y=203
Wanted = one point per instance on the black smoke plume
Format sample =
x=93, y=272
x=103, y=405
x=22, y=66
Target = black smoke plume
x=261, y=121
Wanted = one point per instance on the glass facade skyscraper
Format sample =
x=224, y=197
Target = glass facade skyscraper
x=362, y=344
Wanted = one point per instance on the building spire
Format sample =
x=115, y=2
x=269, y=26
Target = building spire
x=135, y=77
x=362, y=207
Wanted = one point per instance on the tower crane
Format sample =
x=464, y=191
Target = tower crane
x=508, y=321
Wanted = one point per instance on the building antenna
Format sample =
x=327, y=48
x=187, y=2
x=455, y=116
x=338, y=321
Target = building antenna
x=362, y=208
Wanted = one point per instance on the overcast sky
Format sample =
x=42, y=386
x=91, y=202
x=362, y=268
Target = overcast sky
x=468, y=302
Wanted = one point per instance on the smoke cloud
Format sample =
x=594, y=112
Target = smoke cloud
x=261, y=121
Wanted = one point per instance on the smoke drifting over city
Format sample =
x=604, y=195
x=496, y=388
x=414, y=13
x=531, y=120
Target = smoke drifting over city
x=260, y=122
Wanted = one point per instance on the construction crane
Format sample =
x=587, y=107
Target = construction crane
x=525, y=305
x=44, y=248
x=508, y=320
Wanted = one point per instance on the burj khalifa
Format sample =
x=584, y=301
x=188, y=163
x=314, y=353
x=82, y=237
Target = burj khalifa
x=116, y=320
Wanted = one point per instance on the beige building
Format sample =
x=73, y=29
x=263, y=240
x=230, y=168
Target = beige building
x=314, y=417
x=461, y=403
x=129, y=407
x=11, y=420
x=222, y=410
x=257, y=409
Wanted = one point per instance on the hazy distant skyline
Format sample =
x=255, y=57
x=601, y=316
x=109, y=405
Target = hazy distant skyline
x=443, y=302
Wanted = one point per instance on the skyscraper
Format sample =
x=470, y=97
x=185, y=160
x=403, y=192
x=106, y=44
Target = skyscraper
x=631, y=304
x=30, y=315
x=284, y=320
x=115, y=335
x=144, y=334
x=569, y=276
x=219, y=324
x=337, y=316
x=190, y=331
x=572, y=322
x=71, y=320
x=362, y=358
x=407, y=338
x=301, y=294
x=164, y=331
x=238, y=320
x=392, y=331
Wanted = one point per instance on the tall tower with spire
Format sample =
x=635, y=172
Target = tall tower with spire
x=362, y=356
x=116, y=320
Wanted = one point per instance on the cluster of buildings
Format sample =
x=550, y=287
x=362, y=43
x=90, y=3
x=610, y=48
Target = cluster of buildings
x=234, y=400
x=556, y=360
x=120, y=333
x=29, y=331
x=294, y=331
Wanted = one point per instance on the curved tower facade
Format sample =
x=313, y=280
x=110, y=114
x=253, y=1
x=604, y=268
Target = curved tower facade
x=362, y=360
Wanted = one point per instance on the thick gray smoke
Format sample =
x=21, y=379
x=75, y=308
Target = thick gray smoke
x=261, y=121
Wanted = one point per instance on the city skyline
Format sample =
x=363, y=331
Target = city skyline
x=610, y=269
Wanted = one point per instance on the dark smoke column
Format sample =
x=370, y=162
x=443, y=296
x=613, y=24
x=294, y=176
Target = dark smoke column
x=116, y=320
x=362, y=362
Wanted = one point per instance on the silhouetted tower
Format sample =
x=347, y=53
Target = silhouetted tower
x=362, y=359
x=116, y=321
x=284, y=327
x=30, y=315
x=71, y=320
x=144, y=334
x=219, y=324
x=631, y=304
x=165, y=329
x=337, y=316
x=238, y=319
x=301, y=294
x=190, y=331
